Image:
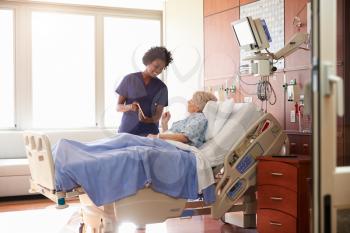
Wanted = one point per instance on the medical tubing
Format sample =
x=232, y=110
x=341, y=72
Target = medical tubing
x=264, y=91
x=274, y=95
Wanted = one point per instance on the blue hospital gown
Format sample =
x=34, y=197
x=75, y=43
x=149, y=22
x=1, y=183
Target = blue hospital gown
x=193, y=127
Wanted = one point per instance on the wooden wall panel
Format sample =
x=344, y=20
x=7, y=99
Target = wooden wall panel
x=243, y=2
x=222, y=57
x=216, y=6
x=302, y=77
x=250, y=90
x=294, y=8
x=221, y=49
x=300, y=59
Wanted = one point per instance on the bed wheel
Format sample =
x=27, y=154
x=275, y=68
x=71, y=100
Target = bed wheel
x=82, y=228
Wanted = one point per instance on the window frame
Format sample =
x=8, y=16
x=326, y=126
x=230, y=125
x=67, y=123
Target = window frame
x=14, y=64
x=23, y=52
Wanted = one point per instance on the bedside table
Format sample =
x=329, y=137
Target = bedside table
x=283, y=194
x=300, y=142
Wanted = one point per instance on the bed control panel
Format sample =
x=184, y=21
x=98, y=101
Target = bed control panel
x=245, y=163
x=235, y=190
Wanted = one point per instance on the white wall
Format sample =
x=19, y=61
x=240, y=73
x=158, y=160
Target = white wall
x=183, y=35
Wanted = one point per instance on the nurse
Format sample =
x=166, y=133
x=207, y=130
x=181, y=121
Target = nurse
x=143, y=96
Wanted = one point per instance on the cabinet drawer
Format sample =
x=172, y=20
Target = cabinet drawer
x=277, y=173
x=273, y=221
x=299, y=143
x=278, y=198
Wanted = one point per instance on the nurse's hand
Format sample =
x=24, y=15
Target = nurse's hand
x=142, y=117
x=134, y=106
x=152, y=135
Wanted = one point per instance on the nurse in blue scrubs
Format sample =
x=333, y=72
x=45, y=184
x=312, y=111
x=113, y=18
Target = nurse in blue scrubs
x=143, y=96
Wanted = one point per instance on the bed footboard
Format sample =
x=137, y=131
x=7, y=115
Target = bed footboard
x=42, y=169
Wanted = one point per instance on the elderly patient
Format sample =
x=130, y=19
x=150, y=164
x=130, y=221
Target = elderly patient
x=192, y=129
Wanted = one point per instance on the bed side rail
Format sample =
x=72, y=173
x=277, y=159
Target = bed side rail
x=265, y=137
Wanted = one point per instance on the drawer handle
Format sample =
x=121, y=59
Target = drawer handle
x=276, y=174
x=276, y=198
x=275, y=223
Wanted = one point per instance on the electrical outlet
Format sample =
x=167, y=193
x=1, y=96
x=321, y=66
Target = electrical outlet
x=292, y=116
x=248, y=99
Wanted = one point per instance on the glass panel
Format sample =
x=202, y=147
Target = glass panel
x=343, y=124
x=7, y=95
x=137, y=4
x=125, y=40
x=63, y=66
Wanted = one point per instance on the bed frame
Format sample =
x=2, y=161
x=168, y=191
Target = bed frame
x=235, y=188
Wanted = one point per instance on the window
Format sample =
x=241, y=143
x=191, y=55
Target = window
x=7, y=91
x=60, y=65
x=125, y=42
x=137, y=4
x=63, y=70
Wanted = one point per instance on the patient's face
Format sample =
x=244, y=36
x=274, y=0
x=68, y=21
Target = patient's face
x=191, y=107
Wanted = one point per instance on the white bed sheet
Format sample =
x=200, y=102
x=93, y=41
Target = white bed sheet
x=204, y=170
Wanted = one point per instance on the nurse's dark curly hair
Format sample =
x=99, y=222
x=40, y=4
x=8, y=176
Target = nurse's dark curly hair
x=157, y=53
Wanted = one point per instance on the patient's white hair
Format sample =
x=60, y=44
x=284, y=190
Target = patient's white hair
x=200, y=99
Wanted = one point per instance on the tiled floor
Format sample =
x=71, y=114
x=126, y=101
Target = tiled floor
x=40, y=216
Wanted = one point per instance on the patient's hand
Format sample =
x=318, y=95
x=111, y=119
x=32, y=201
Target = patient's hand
x=166, y=117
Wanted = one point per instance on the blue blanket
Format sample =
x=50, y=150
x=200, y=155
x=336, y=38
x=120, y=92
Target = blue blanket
x=113, y=168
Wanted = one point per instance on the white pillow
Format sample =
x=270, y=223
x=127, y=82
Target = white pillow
x=224, y=112
x=241, y=119
x=209, y=111
x=217, y=114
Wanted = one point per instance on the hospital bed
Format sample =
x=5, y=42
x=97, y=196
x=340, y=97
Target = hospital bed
x=245, y=135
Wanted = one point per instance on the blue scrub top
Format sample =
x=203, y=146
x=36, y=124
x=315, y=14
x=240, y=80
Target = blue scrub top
x=133, y=88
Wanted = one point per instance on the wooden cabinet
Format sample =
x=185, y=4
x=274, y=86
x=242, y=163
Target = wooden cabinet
x=221, y=49
x=284, y=194
x=300, y=143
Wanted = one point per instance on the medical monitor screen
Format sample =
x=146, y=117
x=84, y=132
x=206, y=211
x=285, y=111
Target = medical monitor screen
x=244, y=32
x=266, y=29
